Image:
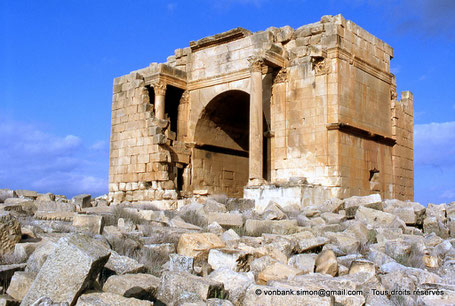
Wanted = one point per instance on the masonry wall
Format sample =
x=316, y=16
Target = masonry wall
x=403, y=151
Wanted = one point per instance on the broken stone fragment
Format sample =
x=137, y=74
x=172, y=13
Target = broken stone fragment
x=353, y=203
x=91, y=223
x=179, y=287
x=235, y=283
x=108, y=298
x=194, y=244
x=10, y=232
x=123, y=264
x=140, y=286
x=20, y=284
x=277, y=271
x=180, y=263
x=82, y=200
x=377, y=218
x=326, y=263
x=74, y=265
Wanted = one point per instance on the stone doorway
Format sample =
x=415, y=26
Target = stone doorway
x=220, y=157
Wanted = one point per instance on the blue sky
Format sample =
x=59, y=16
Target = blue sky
x=58, y=60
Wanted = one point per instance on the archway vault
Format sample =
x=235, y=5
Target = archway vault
x=220, y=157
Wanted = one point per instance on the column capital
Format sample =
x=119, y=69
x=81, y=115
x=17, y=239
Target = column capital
x=256, y=63
x=160, y=88
x=280, y=77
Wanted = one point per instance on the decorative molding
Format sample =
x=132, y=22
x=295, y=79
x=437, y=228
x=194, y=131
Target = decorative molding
x=256, y=63
x=356, y=131
x=345, y=55
x=159, y=88
x=225, y=78
x=320, y=65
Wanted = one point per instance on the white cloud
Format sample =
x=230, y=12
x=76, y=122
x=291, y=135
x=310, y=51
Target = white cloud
x=31, y=158
x=99, y=145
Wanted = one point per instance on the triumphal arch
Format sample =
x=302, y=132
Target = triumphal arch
x=298, y=115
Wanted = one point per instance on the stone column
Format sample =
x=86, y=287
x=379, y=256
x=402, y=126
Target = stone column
x=256, y=128
x=160, y=93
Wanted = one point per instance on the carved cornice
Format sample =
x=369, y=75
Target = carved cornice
x=360, y=132
x=159, y=88
x=256, y=63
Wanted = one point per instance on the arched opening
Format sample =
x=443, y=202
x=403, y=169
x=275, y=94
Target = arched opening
x=220, y=158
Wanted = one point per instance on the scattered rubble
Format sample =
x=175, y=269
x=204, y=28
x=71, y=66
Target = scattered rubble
x=207, y=253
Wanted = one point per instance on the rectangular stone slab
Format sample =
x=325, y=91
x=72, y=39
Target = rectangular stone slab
x=74, y=264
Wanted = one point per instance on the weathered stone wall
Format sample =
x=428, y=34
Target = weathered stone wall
x=403, y=151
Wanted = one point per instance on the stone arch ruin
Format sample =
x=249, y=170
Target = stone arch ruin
x=295, y=115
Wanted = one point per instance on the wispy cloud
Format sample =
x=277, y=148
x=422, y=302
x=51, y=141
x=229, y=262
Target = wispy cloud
x=31, y=158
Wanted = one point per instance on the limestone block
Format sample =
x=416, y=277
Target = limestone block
x=10, y=232
x=92, y=223
x=256, y=227
x=74, y=265
x=58, y=215
x=353, y=203
x=7, y=272
x=123, y=264
x=50, y=206
x=235, y=283
x=239, y=204
x=46, y=197
x=306, y=241
x=39, y=256
x=177, y=287
x=140, y=286
x=273, y=211
x=226, y=219
x=438, y=211
x=6, y=300
x=20, y=284
x=435, y=225
x=378, y=218
x=326, y=263
x=230, y=234
x=180, y=263
x=362, y=266
x=159, y=139
x=332, y=218
x=6, y=194
x=27, y=194
x=195, y=244
x=344, y=241
x=285, y=34
x=22, y=251
x=277, y=271
x=303, y=262
x=108, y=298
x=225, y=258
x=82, y=200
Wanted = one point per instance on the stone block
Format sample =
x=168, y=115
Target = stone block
x=180, y=263
x=108, y=298
x=235, y=283
x=6, y=194
x=74, y=265
x=140, y=286
x=226, y=219
x=179, y=287
x=123, y=264
x=10, y=232
x=27, y=194
x=20, y=284
x=91, y=223
x=326, y=263
x=195, y=244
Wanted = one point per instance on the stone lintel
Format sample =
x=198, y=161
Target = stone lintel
x=218, y=39
x=169, y=75
x=356, y=131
